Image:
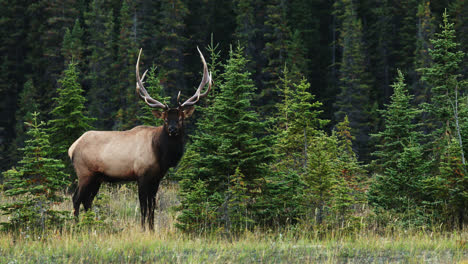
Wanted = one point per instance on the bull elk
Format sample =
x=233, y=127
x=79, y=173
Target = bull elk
x=142, y=154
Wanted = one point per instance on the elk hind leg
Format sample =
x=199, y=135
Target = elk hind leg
x=93, y=189
x=81, y=193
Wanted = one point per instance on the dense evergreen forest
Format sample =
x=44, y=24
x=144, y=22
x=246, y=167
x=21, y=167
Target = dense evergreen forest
x=320, y=109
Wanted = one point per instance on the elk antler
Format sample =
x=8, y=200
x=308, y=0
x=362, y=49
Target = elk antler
x=142, y=91
x=206, y=79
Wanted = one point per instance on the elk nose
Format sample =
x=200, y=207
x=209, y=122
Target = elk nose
x=172, y=131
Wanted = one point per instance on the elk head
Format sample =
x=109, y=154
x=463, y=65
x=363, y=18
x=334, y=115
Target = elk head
x=173, y=117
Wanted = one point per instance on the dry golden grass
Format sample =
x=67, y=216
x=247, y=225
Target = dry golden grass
x=121, y=240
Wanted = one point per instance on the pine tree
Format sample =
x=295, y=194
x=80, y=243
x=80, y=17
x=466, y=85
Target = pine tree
x=246, y=30
x=447, y=191
x=298, y=120
x=276, y=37
x=27, y=103
x=406, y=22
x=99, y=21
x=61, y=15
x=36, y=184
x=444, y=78
x=72, y=46
x=154, y=88
x=13, y=31
x=238, y=217
x=69, y=115
x=174, y=41
x=199, y=211
x=381, y=41
x=354, y=98
x=228, y=137
x=320, y=175
x=399, y=126
x=348, y=189
x=125, y=97
x=459, y=9
x=426, y=29
x=399, y=185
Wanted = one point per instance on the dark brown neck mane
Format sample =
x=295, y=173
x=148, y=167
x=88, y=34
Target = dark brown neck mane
x=169, y=149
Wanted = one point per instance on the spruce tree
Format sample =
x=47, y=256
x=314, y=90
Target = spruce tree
x=99, y=21
x=59, y=19
x=399, y=126
x=27, y=104
x=447, y=191
x=125, y=96
x=229, y=137
x=348, y=190
x=443, y=76
x=72, y=45
x=398, y=186
x=174, y=42
x=154, y=88
x=354, y=98
x=459, y=9
x=426, y=29
x=69, y=120
x=36, y=184
x=320, y=176
x=400, y=189
x=276, y=37
x=304, y=121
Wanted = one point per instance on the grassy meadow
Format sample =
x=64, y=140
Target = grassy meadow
x=118, y=238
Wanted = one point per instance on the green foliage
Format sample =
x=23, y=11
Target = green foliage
x=99, y=21
x=443, y=76
x=399, y=185
x=447, y=191
x=355, y=81
x=36, y=184
x=399, y=125
x=69, y=115
x=277, y=34
x=27, y=103
x=199, y=210
x=124, y=95
x=154, y=88
x=227, y=139
x=281, y=200
x=237, y=204
x=298, y=120
x=72, y=46
x=171, y=58
x=426, y=29
x=400, y=189
x=446, y=141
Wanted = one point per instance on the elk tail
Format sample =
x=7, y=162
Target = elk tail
x=72, y=149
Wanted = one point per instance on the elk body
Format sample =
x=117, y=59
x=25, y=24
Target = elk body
x=142, y=154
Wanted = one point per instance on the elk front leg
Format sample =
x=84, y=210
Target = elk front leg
x=143, y=196
x=152, y=203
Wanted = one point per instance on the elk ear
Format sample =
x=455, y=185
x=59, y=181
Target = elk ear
x=188, y=112
x=159, y=114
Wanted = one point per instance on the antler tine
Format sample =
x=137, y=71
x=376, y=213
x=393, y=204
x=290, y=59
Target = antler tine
x=205, y=80
x=178, y=97
x=142, y=91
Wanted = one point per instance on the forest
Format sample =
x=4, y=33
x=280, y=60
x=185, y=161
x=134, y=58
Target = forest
x=334, y=116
